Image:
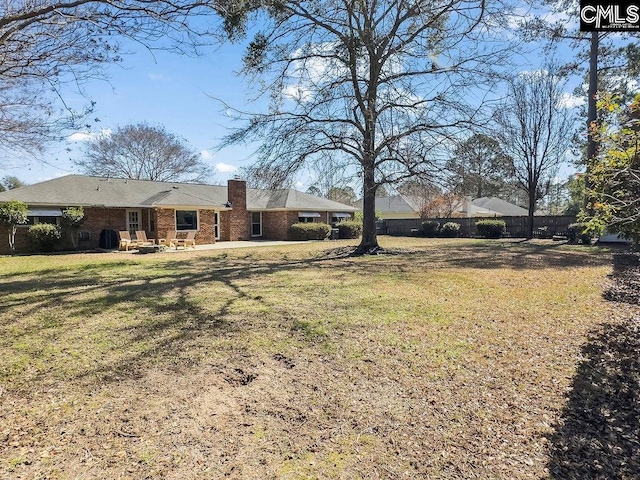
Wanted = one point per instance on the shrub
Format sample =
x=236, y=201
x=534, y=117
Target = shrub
x=44, y=236
x=13, y=213
x=450, y=230
x=309, y=231
x=430, y=228
x=72, y=218
x=577, y=231
x=490, y=228
x=544, y=232
x=350, y=229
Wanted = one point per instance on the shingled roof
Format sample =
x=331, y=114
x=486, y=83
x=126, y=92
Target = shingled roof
x=86, y=191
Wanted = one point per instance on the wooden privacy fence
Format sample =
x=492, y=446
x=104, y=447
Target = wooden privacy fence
x=515, y=226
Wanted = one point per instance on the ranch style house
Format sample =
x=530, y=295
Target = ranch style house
x=215, y=213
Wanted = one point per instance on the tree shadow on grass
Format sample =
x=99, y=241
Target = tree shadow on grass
x=598, y=436
x=515, y=255
x=161, y=317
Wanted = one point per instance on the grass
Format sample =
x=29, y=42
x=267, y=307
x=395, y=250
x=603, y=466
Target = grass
x=444, y=359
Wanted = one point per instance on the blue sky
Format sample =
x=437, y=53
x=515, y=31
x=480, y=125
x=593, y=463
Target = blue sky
x=160, y=88
x=165, y=89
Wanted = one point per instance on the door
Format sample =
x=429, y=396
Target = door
x=134, y=220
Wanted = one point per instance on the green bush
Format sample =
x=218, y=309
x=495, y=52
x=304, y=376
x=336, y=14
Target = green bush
x=490, y=228
x=350, y=229
x=430, y=228
x=44, y=236
x=576, y=231
x=309, y=231
x=72, y=218
x=12, y=214
x=450, y=230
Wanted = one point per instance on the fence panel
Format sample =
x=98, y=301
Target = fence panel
x=515, y=226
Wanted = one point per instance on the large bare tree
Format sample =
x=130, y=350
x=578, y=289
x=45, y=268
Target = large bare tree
x=143, y=152
x=48, y=46
x=535, y=129
x=383, y=83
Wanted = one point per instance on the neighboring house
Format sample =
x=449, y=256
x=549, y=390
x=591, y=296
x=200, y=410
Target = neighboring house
x=404, y=206
x=216, y=213
x=396, y=206
x=490, y=207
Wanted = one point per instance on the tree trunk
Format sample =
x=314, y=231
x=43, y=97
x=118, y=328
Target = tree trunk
x=592, y=116
x=532, y=208
x=12, y=238
x=369, y=243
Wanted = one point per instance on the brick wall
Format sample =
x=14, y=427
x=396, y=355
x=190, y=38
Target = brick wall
x=95, y=220
x=276, y=224
x=166, y=221
x=239, y=221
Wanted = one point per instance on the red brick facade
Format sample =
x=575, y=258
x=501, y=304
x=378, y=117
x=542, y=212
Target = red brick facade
x=234, y=224
x=240, y=218
x=276, y=224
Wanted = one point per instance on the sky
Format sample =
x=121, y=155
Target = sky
x=175, y=91
x=160, y=88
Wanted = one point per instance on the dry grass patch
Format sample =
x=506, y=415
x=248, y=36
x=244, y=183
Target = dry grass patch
x=447, y=359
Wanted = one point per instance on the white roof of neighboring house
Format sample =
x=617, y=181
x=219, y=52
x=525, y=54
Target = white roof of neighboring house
x=394, y=204
x=499, y=206
x=86, y=191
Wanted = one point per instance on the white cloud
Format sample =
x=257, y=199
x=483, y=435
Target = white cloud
x=159, y=77
x=81, y=137
x=570, y=101
x=87, y=136
x=206, y=155
x=299, y=184
x=225, y=167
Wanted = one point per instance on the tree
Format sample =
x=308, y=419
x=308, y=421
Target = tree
x=608, y=60
x=331, y=178
x=49, y=46
x=143, y=152
x=441, y=206
x=614, y=191
x=12, y=214
x=575, y=189
x=479, y=167
x=72, y=218
x=533, y=128
x=344, y=195
x=383, y=84
x=10, y=182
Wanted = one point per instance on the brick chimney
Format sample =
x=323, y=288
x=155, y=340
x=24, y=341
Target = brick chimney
x=239, y=218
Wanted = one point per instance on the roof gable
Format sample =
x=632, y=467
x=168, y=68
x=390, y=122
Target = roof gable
x=86, y=191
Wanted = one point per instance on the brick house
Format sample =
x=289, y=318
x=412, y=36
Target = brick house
x=216, y=213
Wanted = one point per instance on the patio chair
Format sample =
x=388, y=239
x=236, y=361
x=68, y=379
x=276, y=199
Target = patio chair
x=189, y=241
x=141, y=235
x=125, y=241
x=170, y=240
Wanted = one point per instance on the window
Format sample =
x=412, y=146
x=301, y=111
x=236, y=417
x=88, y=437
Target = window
x=43, y=215
x=256, y=224
x=308, y=217
x=186, y=220
x=216, y=225
x=33, y=220
x=339, y=217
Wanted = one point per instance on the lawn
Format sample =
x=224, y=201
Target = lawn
x=440, y=359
